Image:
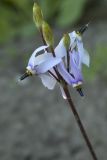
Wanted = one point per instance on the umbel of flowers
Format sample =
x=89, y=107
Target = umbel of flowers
x=62, y=64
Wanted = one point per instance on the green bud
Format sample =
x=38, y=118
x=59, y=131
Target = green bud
x=47, y=34
x=66, y=41
x=37, y=15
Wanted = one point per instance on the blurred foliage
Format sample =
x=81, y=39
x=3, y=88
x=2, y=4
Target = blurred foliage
x=70, y=12
x=98, y=64
x=16, y=16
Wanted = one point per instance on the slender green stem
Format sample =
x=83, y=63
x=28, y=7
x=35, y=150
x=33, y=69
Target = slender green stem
x=78, y=120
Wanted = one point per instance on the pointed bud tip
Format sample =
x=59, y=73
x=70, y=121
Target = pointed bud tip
x=37, y=15
x=47, y=33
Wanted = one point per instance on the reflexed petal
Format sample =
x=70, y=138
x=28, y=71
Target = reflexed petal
x=73, y=45
x=60, y=50
x=72, y=35
x=40, y=49
x=41, y=58
x=63, y=93
x=47, y=65
x=32, y=58
x=48, y=81
x=75, y=71
x=63, y=72
x=86, y=58
x=75, y=57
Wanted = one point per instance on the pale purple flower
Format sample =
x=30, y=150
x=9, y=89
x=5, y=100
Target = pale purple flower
x=76, y=41
x=78, y=56
x=40, y=64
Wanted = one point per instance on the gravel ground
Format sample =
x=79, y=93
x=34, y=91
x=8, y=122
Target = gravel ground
x=38, y=124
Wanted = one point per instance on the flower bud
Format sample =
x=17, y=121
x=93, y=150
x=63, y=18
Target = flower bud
x=37, y=15
x=66, y=41
x=47, y=34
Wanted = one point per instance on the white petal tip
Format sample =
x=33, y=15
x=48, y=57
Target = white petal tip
x=65, y=98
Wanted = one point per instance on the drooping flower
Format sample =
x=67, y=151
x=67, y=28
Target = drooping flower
x=76, y=42
x=77, y=56
x=40, y=65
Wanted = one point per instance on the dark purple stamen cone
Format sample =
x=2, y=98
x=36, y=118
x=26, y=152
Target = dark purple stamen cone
x=83, y=29
x=25, y=75
x=79, y=90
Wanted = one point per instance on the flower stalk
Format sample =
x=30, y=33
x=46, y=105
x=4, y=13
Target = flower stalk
x=78, y=120
x=76, y=115
x=48, y=40
x=72, y=106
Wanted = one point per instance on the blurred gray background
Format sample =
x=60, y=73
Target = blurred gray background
x=35, y=123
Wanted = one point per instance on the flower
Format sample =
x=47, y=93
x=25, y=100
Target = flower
x=40, y=65
x=76, y=41
x=77, y=56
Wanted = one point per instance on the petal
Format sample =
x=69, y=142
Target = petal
x=41, y=58
x=86, y=58
x=73, y=45
x=47, y=65
x=63, y=72
x=72, y=35
x=60, y=50
x=75, y=70
x=63, y=93
x=40, y=49
x=32, y=58
x=48, y=81
x=75, y=57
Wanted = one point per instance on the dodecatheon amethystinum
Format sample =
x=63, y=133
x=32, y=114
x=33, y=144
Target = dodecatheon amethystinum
x=40, y=65
x=71, y=47
x=75, y=42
